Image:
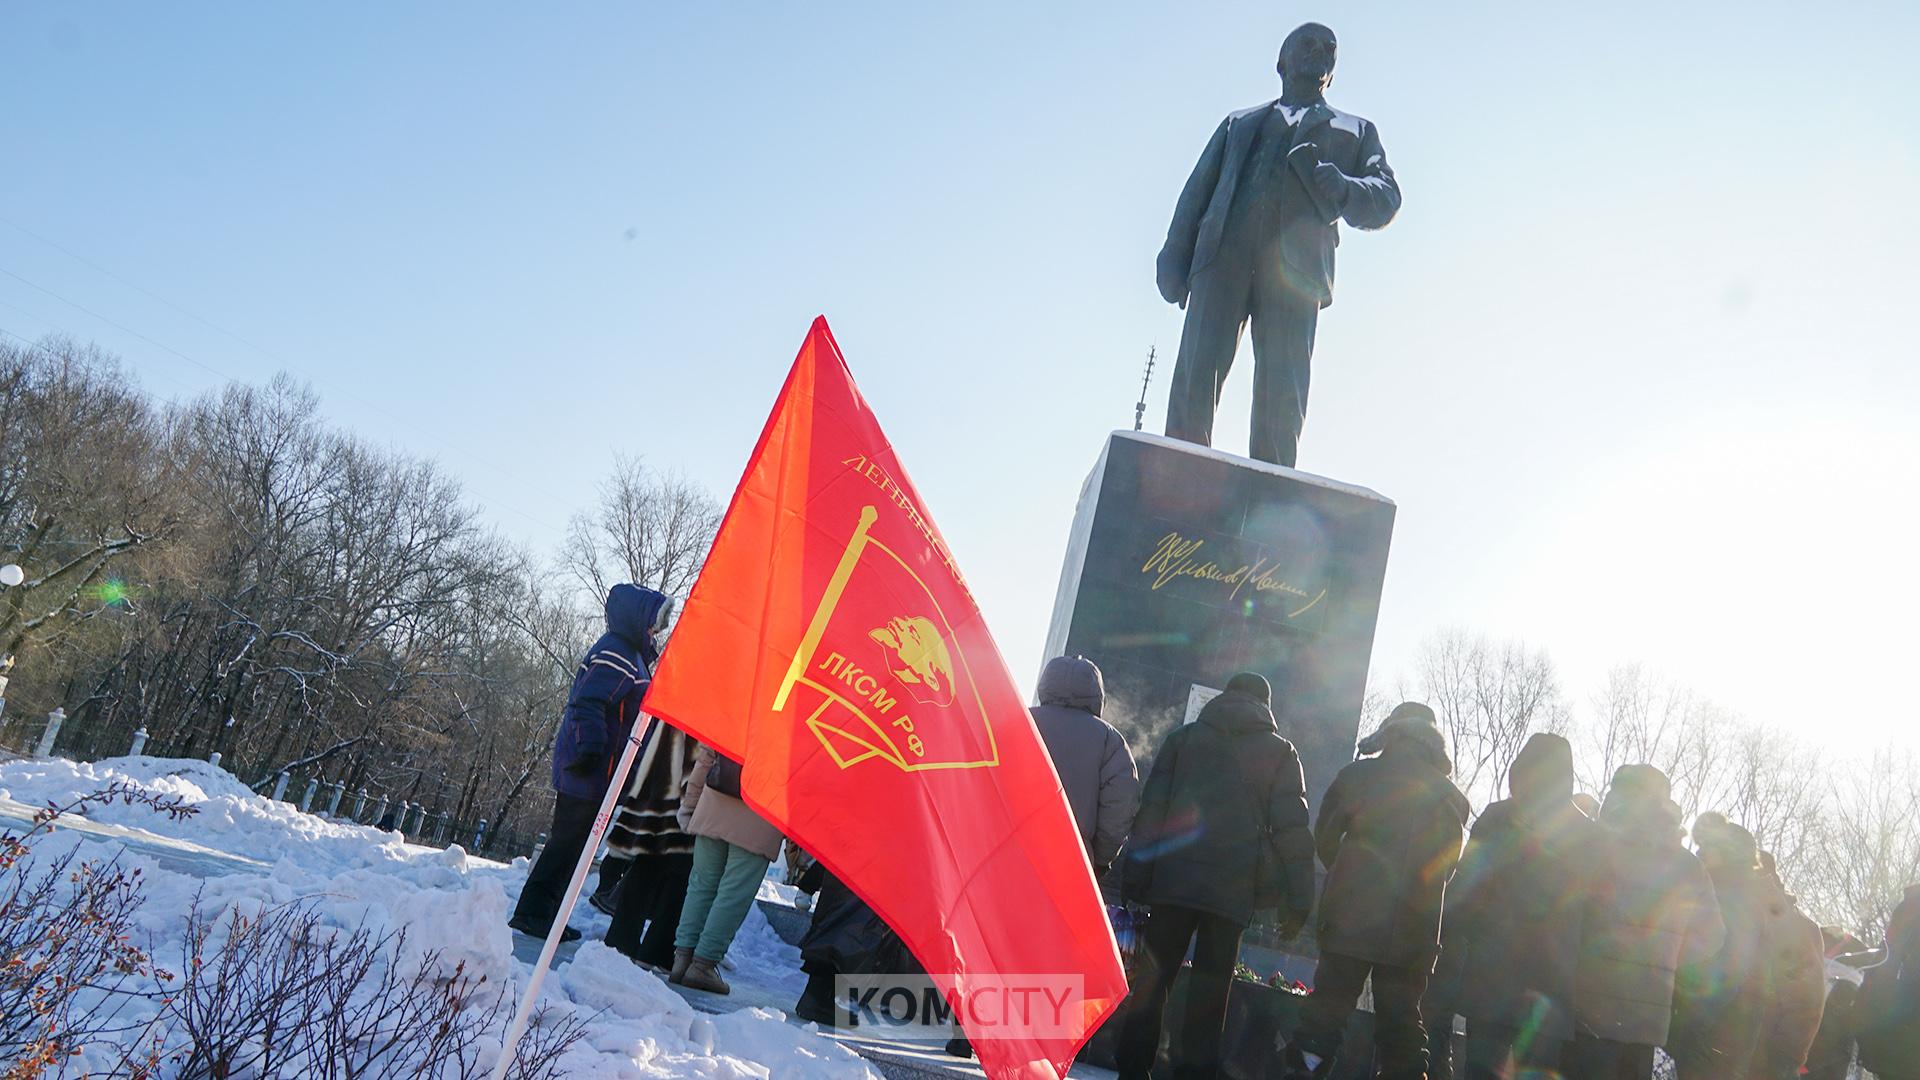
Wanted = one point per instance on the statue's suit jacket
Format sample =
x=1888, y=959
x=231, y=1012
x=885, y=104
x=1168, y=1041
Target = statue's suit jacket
x=1348, y=142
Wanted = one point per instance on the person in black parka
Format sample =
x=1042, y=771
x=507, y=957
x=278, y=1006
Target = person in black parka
x=1888, y=1011
x=1221, y=832
x=1389, y=833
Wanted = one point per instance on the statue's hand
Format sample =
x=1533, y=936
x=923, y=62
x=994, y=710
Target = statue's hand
x=1303, y=159
x=1332, y=184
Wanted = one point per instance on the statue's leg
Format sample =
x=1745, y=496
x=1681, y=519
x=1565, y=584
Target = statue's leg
x=1216, y=313
x=1283, y=325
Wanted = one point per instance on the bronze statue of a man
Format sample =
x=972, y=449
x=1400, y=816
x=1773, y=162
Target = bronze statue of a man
x=1253, y=237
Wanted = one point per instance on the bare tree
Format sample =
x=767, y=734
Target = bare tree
x=1777, y=787
x=1489, y=697
x=236, y=576
x=649, y=528
x=1831, y=849
x=1870, y=851
x=87, y=481
x=1646, y=719
x=1846, y=833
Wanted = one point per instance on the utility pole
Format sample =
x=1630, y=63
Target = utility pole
x=1140, y=408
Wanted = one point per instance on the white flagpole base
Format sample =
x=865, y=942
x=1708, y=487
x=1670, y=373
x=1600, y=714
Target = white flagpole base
x=511, y=1044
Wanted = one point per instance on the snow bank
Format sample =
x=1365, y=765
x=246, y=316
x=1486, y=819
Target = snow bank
x=449, y=905
x=232, y=818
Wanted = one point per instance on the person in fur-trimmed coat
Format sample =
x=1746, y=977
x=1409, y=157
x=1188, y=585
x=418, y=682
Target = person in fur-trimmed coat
x=647, y=833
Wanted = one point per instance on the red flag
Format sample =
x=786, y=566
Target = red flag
x=832, y=645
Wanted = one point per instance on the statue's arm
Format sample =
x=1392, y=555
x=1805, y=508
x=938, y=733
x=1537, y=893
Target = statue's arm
x=1176, y=255
x=1374, y=195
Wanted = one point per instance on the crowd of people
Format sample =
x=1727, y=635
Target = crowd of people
x=1574, y=936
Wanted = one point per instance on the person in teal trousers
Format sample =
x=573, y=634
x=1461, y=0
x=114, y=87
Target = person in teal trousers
x=732, y=848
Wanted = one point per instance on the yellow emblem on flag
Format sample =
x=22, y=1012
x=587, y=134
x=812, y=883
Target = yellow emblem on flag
x=879, y=673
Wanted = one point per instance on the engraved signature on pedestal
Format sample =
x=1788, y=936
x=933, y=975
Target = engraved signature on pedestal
x=1178, y=557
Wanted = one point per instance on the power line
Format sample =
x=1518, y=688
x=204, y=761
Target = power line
x=157, y=298
x=264, y=351
x=56, y=328
x=210, y=369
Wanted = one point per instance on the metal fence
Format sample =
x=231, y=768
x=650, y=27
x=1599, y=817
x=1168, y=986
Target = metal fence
x=429, y=821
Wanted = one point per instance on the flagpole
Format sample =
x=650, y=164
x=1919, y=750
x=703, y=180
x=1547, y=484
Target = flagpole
x=836, y=585
x=636, y=740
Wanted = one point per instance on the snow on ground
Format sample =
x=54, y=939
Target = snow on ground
x=447, y=902
x=760, y=956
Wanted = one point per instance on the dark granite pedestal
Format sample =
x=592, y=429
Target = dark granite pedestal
x=1187, y=564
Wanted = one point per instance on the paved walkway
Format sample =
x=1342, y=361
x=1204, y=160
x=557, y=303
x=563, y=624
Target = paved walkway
x=896, y=1060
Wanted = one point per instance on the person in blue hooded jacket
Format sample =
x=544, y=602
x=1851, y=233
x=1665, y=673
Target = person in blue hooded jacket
x=601, y=709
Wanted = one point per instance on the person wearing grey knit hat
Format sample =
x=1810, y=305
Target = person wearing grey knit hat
x=1254, y=685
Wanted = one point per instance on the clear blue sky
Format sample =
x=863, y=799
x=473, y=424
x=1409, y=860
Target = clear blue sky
x=1636, y=361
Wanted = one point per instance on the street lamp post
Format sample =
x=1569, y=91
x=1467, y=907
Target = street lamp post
x=52, y=733
x=10, y=575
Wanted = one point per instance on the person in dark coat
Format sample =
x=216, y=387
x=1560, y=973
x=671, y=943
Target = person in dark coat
x=1650, y=911
x=1889, y=1007
x=1221, y=832
x=646, y=833
x=1440, y=1004
x=1096, y=768
x=1831, y=1056
x=1903, y=926
x=1720, y=1003
x=601, y=709
x=1514, y=911
x=844, y=938
x=1389, y=834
